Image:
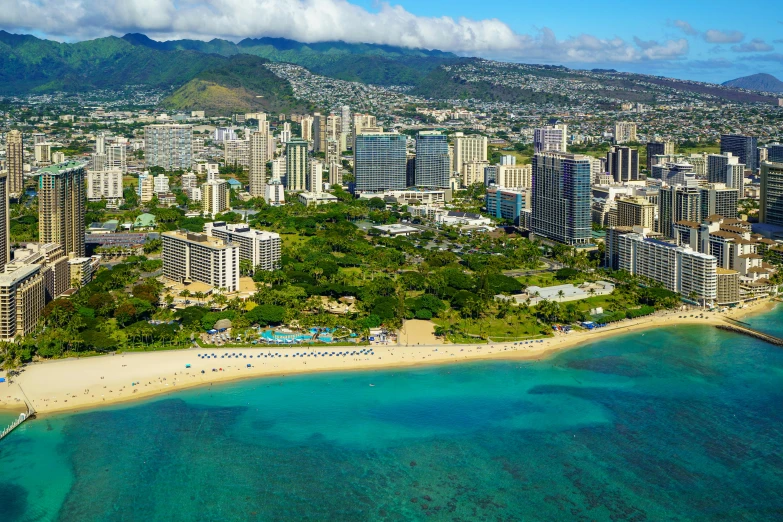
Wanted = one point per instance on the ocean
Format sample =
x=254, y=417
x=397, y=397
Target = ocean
x=681, y=423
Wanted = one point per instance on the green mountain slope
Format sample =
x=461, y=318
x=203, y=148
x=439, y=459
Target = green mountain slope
x=241, y=84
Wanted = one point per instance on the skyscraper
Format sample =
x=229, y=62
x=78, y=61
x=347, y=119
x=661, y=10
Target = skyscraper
x=623, y=163
x=468, y=149
x=658, y=148
x=380, y=161
x=550, y=138
x=61, y=206
x=718, y=199
x=215, y=197
x=315, y=178
x=561, y=197
x=168, y=146
x=5, y=247
x=744, y=147
x=433, y=167
x=258, y=158
x=296, y=165
x=771, y=204
x=775, y=153
x=14, y=154
x=678, y=203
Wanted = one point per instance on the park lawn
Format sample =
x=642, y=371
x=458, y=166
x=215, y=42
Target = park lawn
x=709, y=149
x=292, y=240
x=509, y=328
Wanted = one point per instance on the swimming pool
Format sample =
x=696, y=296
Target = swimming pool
x=274, y=336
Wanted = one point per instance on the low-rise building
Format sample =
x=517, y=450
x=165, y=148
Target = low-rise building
x=313, y=199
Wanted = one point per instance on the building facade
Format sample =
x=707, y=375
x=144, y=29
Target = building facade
x=771, y=204
x=198, y=257
x=433, y=165
x=561, y=197
x=61, y=206
x=743, y=147
x=168, y=146
x=261, y=248
x=296, y=165
x=14, y=157
x=380, y=162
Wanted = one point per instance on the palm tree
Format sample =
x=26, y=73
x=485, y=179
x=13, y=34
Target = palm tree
x=560, y=294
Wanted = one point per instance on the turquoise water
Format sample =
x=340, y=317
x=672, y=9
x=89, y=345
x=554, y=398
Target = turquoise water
x=682, y=423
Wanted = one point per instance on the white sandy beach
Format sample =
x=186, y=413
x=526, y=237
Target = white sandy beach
x=75, y=384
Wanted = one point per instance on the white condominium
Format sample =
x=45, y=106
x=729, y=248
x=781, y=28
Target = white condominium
x=191, y=257
x=624, y=132
x=307, y=128
x=237, y=153
x=315, y=179
x=168, y=146
x=468, y=149
x=261, y=248
x=146, y=190
x=275, y=193
x=22, y=297
x=189, y=182
x=115, y=157
x=680, y=269
x=161, y=184
x=514, y=176
x=551, y=138
x=104, y=184
x=215, y=197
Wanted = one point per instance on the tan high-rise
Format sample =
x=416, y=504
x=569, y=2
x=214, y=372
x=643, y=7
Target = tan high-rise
x=61, y=206
x=635, y=211
x=259, y=145
x=5, y=233
x=15, y=160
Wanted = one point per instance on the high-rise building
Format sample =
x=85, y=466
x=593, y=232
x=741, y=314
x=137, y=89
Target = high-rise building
x=361, y=124
x=324, y=129
x=658, y=148
x=743, y=147
x=775, y=153
x=307, y=128
x=507, y=203
x=22, y=297
x=261, y=248
x=161, y=184
x=679, y=269
x=215, y=197
x=561, y=197
x=678, y=203
x=472, y=172
x=61, y=206
x=189, y=182
x=333, y=150
x=198, y=257
x=104, y=184
x=43, y=153
x=345, y=120
x=551, y=138
x=236, y=153
x=258, y=159
x=5, y=217
x=296, y=165
x=468, y=149
x=14, y=157
x=624, y=132
x=623, y=164
x=115, y=158
x=168, y=146
x=635, y=211
x=771, y=204
x=433, y=168
x=146, y=188
x=514, y=176
x=380, y=161
x=718, y=199
x=315, y=178
x=335, y=174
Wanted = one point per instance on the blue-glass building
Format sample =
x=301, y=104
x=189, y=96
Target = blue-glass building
x=775, y=153
x=744, y=147
x=561, y=197
x=380, y=162
x=433, y=167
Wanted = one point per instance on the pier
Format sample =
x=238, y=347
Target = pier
x=19, y=420
x=745, y=329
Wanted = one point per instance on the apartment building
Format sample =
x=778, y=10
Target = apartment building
x=215, y=197
x=635, y=211
x=380, y=162
x=168, y=146
x=104, y=184
x=22, y=297
x=188, y=257
x=468, y=149
x=61, y=206
x=259, y=247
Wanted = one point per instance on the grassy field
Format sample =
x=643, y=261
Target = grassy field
x=709, y=149
x=510, y=328
x=545, y=279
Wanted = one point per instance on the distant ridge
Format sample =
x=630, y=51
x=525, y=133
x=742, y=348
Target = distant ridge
x=757, y=82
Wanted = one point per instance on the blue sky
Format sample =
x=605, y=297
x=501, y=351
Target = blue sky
x=709, y=41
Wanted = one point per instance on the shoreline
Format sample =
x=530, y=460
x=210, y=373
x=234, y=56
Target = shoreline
x=73, y=385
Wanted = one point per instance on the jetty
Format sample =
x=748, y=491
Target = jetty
x=20, y=419
x=745, y=329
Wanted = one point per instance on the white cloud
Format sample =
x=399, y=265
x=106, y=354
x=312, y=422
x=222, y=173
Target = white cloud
x=757, y=45
x=716, y=36
x=685, y=26
x=319, y=20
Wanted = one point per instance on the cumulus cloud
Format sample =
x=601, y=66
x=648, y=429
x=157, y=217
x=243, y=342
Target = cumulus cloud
x=685, y=26
x=757, y=45
x=722, y=37
x=320, y=20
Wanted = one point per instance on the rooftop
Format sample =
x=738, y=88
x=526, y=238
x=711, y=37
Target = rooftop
x=60, y=168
